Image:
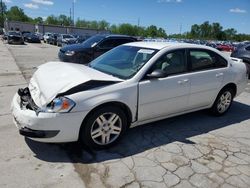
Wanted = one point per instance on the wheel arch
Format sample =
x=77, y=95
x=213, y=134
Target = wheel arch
x=121, y=105
x=232, y=86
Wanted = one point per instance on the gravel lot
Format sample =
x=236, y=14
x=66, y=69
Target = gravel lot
x=193, y=150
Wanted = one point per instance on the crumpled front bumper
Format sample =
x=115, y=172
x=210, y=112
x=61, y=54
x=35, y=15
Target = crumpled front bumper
x=46, y=127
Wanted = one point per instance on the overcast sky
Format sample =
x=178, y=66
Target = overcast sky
x=174, y=16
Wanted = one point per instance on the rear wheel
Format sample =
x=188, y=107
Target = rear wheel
x=104, y=127
x=223, y=102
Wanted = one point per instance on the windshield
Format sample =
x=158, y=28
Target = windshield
x=14, y=33
x=92, y=40
x=124, y=61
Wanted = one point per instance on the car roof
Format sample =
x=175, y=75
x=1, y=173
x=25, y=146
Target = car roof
x=161, y=45
x=116, y=35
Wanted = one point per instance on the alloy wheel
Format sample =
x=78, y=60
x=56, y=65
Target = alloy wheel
x=224, y=102
x=106, y=128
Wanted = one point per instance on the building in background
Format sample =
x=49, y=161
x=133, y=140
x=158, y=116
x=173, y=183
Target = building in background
x=43, y=28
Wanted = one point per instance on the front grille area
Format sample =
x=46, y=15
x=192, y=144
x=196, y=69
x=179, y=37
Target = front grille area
x=26, y=100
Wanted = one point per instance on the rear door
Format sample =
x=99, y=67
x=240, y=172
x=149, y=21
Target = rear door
x=207, y=71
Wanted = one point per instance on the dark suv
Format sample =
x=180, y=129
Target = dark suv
x=91, y=48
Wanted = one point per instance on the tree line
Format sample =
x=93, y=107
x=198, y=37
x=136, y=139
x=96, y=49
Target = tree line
x=213, y=31
x=204, y=31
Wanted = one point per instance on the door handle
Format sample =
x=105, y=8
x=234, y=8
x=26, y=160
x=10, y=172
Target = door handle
x=183, y=81
x=219, y=75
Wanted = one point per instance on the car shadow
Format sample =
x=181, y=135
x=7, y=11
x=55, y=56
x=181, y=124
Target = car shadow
x=144, y=137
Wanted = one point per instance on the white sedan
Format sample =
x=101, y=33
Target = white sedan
x=132, y=84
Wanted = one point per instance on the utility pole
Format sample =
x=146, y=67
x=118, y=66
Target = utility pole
x=180, y=28
x=70, y=18
x=73, y=12
x=138, y=22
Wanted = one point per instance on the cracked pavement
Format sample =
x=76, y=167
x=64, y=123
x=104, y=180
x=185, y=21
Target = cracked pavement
x=192, y=150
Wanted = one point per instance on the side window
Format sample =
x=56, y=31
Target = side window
x=201, y=60
x=172, y=62
x=118, y=42
x=107, y=44
x=248, y=48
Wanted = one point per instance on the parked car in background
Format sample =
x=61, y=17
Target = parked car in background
x=243, y=52
x=81, y=39
x=213, y=45
x=46, y=36
x=5, y=36
x=225, y=47
x=53, y=39
x=40, y=35
x=130, y=85
x=65, y=39
x=31, y=37
x=15, y=37
x=91, y=48
x=25, y=35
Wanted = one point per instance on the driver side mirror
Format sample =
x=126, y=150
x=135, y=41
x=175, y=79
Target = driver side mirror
x=158, y=73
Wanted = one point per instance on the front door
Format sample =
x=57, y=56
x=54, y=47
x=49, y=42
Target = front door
x=168, y=95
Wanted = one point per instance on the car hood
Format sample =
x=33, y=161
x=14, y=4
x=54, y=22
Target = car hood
x=55, y=78
x=74, y=47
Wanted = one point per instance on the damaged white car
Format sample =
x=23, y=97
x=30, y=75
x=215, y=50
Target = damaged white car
x=133, y=84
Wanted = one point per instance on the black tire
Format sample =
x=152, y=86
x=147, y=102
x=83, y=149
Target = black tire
x=90, y=125
x=216, y=109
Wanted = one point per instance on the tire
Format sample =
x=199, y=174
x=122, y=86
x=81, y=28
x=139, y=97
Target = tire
x=223, y=102
x=97, y=132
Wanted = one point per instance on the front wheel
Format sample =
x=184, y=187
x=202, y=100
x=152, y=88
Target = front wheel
x=223, y=102
x=104, y=127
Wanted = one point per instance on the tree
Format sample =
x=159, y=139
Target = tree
x=103, y=25
x=127, y=29
x=161, y=33
x=114, y=29
x=3, y=10
x=230, y=33
x=52, y=20
x=17, y=14
x=82, y=23
x=93, y=25
x=216, y=30
x=38, y=20
x=63, y=20
x=205, y=30
x=151, y=31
